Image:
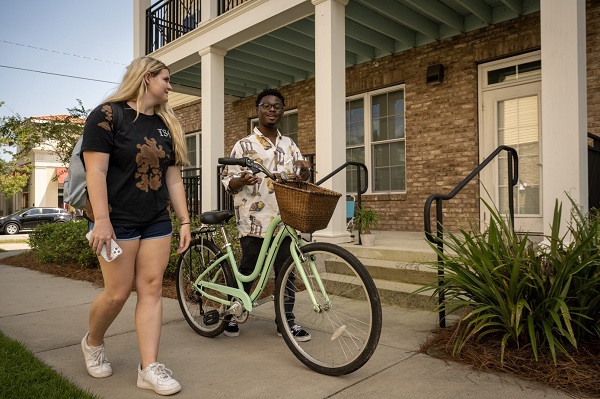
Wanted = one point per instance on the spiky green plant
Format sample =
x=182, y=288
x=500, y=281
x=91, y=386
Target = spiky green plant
x=542, y=296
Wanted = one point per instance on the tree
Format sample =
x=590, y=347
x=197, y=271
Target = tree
x=19, y=135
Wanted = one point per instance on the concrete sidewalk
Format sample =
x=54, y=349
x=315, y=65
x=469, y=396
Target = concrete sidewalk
x=49, y=315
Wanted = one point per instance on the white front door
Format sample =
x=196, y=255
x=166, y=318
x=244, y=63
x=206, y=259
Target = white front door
x=510, y=103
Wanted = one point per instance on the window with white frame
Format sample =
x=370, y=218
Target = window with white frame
x=287, y=127
x=194, y=147
x=375, y=136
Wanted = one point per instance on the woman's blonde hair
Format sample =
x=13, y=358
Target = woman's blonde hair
x=133, y=88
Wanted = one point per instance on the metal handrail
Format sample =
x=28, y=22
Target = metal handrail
x=359, y=166
x=224, y=199
x=513, y=178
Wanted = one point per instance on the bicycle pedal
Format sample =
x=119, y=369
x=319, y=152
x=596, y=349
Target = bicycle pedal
x=211, y=317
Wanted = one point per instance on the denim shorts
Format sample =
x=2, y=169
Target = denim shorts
x=154, y=230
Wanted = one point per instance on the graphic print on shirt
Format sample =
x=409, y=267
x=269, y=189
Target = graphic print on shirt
x=247, y=148
x=255, y=226
x=108, y=117
x=279, y=158
x=266, y=144
x=148, y=165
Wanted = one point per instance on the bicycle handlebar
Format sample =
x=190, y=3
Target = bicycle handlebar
x=249, y=163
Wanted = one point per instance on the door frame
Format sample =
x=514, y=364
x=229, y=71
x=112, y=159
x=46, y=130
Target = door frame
x=488, y=186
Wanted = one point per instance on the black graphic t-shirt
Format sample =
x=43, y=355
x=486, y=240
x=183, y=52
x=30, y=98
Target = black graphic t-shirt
x=140, y=154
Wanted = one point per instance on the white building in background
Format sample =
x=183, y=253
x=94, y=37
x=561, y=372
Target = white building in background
x=46, y=183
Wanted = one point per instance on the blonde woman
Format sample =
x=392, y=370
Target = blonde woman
x=133, y=175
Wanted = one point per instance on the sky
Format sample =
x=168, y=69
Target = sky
x=84, y=39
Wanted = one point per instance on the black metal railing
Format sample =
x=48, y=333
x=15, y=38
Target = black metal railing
x=363, y=189
x=225, y=199
x=438, y=239
x=192, y=184
x=168, y=20
x=228, y=5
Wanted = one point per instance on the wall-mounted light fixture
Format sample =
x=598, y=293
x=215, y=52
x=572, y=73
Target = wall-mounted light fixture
x=435, y=74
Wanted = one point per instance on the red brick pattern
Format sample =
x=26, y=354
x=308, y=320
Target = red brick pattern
x=441, y=120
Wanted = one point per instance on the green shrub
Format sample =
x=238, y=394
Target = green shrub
x=63, y=243
x=230, y=229
x=546, y=297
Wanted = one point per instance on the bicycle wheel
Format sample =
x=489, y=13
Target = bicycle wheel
x=346, y=325
x=194, y=306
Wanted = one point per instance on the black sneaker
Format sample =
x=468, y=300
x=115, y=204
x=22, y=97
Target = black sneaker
x=299, y=334
x=232, y=329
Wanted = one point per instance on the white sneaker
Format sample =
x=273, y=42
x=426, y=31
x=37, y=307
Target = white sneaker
x=96, y=361
x=158, y=378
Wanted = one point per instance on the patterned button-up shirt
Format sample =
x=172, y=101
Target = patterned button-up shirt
x=255, y=206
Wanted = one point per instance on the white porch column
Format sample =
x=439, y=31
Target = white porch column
x=213, y=122
x=208, y=10
x=564, y=107
x=139, y=27
x=330, y=102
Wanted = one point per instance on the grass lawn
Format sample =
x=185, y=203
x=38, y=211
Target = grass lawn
x=22, y=375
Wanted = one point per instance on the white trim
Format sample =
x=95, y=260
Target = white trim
x=368, y=143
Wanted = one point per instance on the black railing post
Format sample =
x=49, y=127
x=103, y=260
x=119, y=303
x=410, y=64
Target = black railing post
x=513, y=178
x=440, y=243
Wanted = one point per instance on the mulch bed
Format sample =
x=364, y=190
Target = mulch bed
x=578, y=376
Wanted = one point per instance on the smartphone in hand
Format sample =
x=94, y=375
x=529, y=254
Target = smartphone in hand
x=115, y=249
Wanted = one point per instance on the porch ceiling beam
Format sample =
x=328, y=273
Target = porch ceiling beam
x=514, y=5
x=258, y=70
x=184, y=89
x=286, y=58
x=379, y=23
x=403, y=15
x=268, y=67
x=275, y=61
x=479, y=9
x=257, y=86
x=439, y=12
x=370, y=37
x=294, y=37
x=250, y=76
x=351, y=59
x=240, y=88
x=305, y=26
x=235, y=93
x=358, y=47
x=275, y=43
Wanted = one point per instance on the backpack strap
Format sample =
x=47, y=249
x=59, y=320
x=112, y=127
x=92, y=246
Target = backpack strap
x=117, y=111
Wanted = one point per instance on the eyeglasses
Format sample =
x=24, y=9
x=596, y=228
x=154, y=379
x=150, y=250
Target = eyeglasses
x=266, y=106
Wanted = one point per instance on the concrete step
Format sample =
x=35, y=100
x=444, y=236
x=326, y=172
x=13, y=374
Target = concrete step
x=390, y=292
x=400, y=263
x=398, y=254
x=402, y=294
x=403, y=272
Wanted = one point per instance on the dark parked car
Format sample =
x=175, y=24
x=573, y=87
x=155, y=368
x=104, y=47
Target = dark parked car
x=27, y=219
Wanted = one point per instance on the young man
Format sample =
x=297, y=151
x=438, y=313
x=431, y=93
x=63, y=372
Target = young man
x=254, y=200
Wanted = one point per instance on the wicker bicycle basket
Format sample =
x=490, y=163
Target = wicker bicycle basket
x=305, y=206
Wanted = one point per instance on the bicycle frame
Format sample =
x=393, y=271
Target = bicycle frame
x=264, y=265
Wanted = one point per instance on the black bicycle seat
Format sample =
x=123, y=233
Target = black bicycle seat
x=216, y=217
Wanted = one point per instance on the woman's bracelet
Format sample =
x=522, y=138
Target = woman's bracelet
x=185, y=223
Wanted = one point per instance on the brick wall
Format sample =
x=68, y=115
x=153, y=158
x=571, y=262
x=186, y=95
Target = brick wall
x=441, y=120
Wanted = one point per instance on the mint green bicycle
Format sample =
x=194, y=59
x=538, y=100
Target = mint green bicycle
x=336, y=300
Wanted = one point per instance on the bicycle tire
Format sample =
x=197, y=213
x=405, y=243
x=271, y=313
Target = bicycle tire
x=344, y=332
x=194, y=306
